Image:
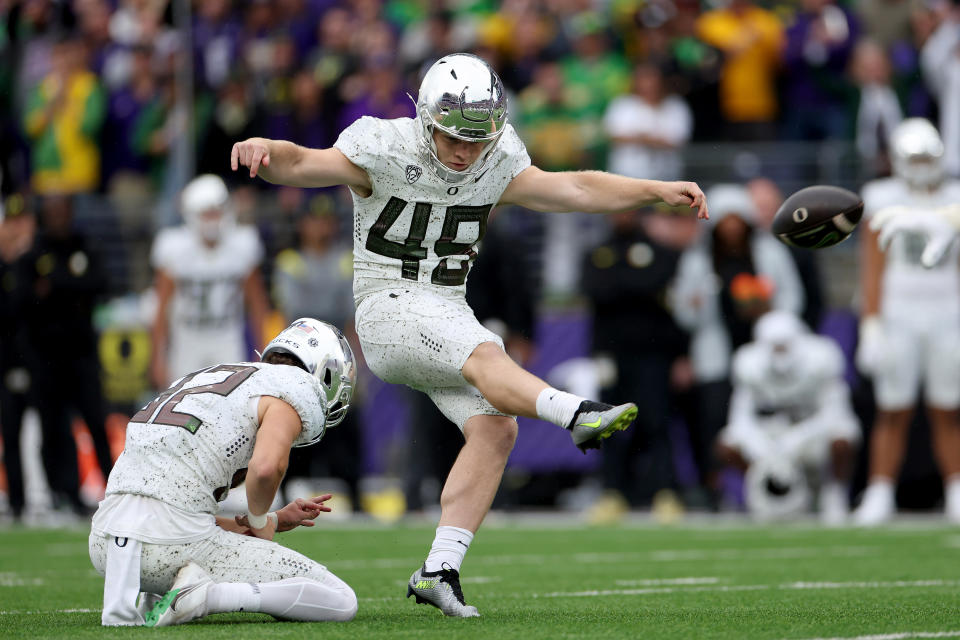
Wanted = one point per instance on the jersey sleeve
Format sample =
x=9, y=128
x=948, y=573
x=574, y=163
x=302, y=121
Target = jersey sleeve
x=829, y=359
x=163, y=251
x=747, y=360
x=248, y=249
x=301, y=391
x=516, y=152
x=363, y=143
x=878, y=194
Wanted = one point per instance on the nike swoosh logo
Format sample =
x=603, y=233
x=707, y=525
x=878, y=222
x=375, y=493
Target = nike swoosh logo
x=461, y=542
x=477, y=179
x=592, y=425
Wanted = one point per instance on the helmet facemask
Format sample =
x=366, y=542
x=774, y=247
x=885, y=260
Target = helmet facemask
x=205, y=205
x=462, y=97
x=916, y=152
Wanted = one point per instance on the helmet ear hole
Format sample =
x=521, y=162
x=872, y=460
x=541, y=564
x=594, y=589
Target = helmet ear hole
x=327, y=377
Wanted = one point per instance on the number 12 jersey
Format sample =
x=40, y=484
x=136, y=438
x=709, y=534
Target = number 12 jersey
x=192, y=444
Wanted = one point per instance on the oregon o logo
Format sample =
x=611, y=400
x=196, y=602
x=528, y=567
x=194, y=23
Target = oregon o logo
x=800, y=215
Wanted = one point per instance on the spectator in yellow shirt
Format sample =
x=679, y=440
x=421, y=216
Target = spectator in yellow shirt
x=63, y=118
x=750, y=39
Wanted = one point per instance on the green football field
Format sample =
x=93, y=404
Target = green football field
x=554, y=580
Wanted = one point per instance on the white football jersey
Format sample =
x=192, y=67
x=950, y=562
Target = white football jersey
x=814, y=379
x=191, y=445
x=415, y=229
x=907, y=284
x=209, y=281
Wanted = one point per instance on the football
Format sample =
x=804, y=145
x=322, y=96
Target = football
x=817, y=217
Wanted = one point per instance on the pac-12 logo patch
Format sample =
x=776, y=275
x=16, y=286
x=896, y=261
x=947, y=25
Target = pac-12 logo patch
x=413, y=173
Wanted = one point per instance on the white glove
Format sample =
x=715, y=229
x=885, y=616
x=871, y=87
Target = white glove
x=940, y=228
x=872, y=346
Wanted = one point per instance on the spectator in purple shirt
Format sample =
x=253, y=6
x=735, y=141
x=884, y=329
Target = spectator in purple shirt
x=381, y=95
x=819, y=44
x=216, y=38
x=123, y=108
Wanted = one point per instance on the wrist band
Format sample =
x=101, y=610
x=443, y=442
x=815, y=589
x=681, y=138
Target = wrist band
x=275, y=518
x=257, y=522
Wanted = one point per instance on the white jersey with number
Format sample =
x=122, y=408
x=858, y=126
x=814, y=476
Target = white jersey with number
x=910, y=289
x=415, y=229
x=190, y=445
x=209, y=280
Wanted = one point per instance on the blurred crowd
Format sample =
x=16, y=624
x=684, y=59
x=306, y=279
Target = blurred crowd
x=108, y=108
x=96, y=91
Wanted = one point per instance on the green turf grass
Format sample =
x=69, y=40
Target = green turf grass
x=695, y=581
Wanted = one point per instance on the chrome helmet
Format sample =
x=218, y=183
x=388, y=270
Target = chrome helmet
x=462, y=96
x=205, y=205
x=777, y=332
x=916, y=152
x=328, y=357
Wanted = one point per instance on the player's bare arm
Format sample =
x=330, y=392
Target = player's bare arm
x=163, y=286
x=282, y=162
x=597, y=192
x=279, y=426
x=258, y=304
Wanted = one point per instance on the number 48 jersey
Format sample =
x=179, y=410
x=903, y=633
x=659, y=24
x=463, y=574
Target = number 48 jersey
x=191, y=445
x=415, y=229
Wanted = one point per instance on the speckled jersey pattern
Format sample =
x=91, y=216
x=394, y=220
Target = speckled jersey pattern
x=415, y=239
x=227, y=557
x=192, y=444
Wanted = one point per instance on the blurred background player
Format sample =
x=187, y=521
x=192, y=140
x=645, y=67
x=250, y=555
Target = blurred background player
x=157, y=530
x=732, y=275
x=207, y=273
x=910, y=326
x=790, y=412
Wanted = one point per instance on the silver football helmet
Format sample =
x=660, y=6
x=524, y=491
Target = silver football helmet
x=916, y=152
x=328, y=357
x=462, y=96
x=205, y=205
x=778, y=332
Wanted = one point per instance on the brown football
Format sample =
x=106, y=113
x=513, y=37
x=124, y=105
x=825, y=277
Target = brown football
x=817, y=217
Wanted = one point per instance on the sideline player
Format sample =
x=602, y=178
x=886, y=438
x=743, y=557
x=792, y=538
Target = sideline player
x=206, y=271
x=910, y=327
x=790, y=410
x=422, y=190
x=157, y=530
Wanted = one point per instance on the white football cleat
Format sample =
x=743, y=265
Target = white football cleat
x=594, y=422
x=834, y=507
x=442, y=590
x=878, y=505
x=186, y=600
x=951, y=495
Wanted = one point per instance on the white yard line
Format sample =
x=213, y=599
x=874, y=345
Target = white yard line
x=12, y=579
x=655, y=582
x=897, y=636
x=34, y=613
x=790, y=586
x=664, y=555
